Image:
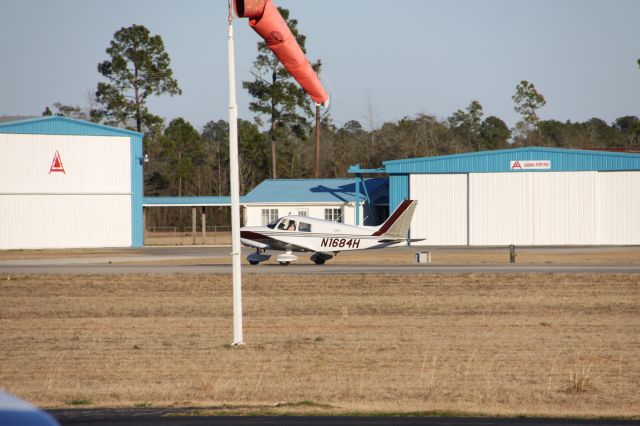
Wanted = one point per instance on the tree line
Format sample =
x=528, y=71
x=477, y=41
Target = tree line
x=278, y=142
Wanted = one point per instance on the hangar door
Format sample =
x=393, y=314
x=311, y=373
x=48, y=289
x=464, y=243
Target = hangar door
x=527, y=208
x=554, y=208
x=619, y=201
x=441, y=214
x=65, y=191
x=550, y=208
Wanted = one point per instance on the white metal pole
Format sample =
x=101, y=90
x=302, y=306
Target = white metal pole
x=235, y=189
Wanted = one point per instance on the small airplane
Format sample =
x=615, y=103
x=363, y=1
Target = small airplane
x=324, y=238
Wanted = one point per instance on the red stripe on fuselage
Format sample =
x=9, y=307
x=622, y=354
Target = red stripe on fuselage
x=250, y=235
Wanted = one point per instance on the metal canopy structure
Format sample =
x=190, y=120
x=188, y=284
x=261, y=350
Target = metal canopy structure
x=355, y=169
x=192, y=202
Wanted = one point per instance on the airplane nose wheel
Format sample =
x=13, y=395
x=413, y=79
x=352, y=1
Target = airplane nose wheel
x=285, y=259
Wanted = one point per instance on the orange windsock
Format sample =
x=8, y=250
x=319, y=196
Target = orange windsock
x=265, y=19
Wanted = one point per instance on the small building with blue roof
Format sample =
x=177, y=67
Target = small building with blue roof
x=329, y=199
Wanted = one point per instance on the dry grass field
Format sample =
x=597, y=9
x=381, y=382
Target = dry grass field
x=546, y=344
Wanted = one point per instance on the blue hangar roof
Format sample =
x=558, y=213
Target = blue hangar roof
x=311, y=191
x=57, y=125
x=501, y=161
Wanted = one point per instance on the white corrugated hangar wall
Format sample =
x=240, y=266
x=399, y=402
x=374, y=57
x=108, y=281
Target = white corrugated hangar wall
x=66, y=190
x=541, y=205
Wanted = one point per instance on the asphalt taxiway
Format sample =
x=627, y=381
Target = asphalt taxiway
x=115, y=269
x=216, y=260
x=183, y=417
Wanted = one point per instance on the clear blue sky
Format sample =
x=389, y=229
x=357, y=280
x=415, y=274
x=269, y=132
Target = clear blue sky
x=400, y=57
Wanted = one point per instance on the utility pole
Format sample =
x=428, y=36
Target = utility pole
x=316, y=168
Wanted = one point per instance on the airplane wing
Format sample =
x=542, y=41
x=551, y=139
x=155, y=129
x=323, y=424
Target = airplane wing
x=255, y=244
x=289, y=242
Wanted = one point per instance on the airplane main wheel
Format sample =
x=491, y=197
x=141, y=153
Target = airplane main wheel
x=319, y=261
x=284, y=263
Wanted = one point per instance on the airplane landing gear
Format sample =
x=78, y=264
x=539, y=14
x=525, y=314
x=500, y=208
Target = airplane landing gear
x=286, y=258
x=257, y=257
x=320, y=258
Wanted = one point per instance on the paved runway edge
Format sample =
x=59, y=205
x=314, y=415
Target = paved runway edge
x=193, y=416
x=8, y=269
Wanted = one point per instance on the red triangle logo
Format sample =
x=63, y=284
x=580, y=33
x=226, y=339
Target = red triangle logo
x=56, y=164
x=516, y=165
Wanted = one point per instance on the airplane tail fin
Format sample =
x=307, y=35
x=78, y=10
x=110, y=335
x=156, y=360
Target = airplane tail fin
x=397, y=225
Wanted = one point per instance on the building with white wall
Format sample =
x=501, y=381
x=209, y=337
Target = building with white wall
x=329, y=199
x=68, y=183
x=525, y=196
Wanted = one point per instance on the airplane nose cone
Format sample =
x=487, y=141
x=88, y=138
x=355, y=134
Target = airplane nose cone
x=244, y=233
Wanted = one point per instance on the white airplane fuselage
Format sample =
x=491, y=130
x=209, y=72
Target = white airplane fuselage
x=324, y=238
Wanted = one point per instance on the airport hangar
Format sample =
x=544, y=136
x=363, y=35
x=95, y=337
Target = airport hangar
x=68, y=183
x=525, y=196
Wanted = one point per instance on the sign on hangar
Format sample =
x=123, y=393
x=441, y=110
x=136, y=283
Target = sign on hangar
x=525, y=196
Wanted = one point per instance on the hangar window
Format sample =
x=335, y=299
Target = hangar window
x=269, y=216
x=334, y=215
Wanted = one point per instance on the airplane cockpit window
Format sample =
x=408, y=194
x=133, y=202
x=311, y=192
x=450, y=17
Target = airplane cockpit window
x=284, y=225
x=273, y=224
x=304, y=227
